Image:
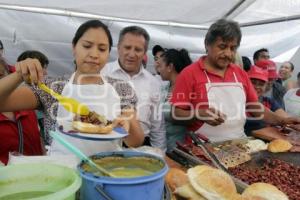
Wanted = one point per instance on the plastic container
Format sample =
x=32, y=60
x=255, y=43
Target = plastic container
x=146, y=187
x=38, y=182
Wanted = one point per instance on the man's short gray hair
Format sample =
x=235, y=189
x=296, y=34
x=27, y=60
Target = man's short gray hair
x=135, y=30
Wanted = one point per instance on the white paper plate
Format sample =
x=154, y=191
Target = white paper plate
x=66, y=128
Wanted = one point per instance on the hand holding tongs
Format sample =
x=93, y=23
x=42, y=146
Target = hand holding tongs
x=286, y=129
x=197, y=138
x=291, y=123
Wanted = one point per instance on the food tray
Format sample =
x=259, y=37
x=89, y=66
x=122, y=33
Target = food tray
x=259, y=158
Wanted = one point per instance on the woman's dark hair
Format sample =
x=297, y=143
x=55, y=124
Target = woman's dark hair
x=34, y=54
x=92, y=24
x=246, y=63
x=179, y=58
x=226, y=29
x=1, y=45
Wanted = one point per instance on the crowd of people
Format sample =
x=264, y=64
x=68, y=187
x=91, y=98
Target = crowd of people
x=221, y=95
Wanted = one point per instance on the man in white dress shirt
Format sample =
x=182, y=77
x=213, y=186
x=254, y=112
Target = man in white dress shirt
x=132, y=46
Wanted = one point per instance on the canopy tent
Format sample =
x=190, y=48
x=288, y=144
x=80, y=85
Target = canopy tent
x=49, y=25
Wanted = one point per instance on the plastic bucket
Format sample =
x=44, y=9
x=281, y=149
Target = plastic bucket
x=146, y=187
x=38, y=182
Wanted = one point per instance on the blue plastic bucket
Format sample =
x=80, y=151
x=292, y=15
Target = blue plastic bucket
x=146, y=187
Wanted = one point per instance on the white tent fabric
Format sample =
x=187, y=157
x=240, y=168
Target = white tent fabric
x=49, y=25
x=288, y=55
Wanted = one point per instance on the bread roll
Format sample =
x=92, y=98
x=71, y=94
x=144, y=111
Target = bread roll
x=91, y=128
x=211, y=183
x=252, y=198
x=249, y=197
x=188, y=192
x=256, y=146
x=279, y=145
x=176, y=178
x=264, y=190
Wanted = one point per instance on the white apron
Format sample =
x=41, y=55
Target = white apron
x=102, y=99
x=230, y=99
x=292, y=102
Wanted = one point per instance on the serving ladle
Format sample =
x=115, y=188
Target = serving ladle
x=80, y=154
x=70, y=104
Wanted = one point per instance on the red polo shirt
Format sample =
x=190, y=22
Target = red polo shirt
x=9, y=141
x=190, y=91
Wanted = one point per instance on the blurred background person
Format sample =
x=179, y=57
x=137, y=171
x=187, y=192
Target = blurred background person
x=292, y=99
x=246, y=63
x=38, y=55
x=19, y=130
x=261, y=54
x=286, y=73
x=157, y=52
x=259, y=80
x=10, y=68
x=298, y=79
x=172, y=62
x=1, y=49
x=274, y=89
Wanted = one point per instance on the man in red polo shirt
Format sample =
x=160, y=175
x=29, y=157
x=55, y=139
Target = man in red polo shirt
x=213, y=92
x=19, y=131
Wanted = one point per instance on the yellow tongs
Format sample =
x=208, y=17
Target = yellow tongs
x=70, y=104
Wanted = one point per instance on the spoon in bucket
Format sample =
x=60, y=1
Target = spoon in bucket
x=79, y=154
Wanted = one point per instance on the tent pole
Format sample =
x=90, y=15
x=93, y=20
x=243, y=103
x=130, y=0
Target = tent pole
x=235, y=8
x=68, y=13
x=270, y=21
x=93, y=16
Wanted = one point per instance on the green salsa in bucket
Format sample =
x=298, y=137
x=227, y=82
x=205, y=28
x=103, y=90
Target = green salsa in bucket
x=26, y=195
x=36, y=181
x=126, y=167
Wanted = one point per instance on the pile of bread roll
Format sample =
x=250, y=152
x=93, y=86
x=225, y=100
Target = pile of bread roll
x=279, y=145
x=207, y=183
